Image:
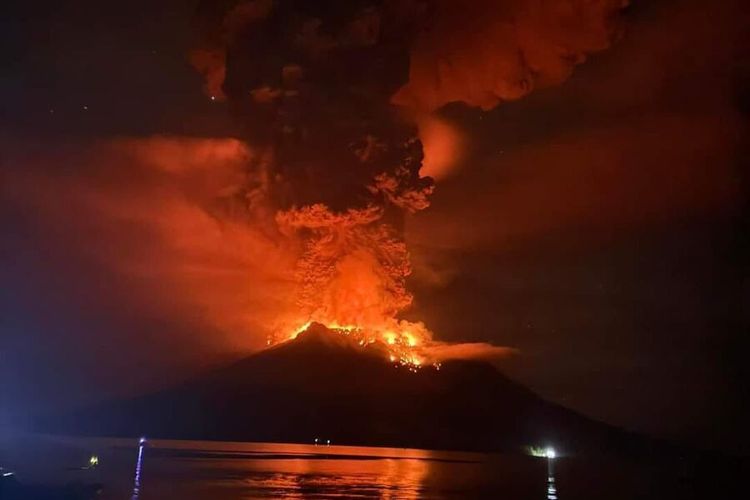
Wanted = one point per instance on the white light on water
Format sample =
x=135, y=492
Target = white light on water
x=550, y=453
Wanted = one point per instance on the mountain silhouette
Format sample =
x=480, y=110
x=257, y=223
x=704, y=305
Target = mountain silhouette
x=323, y=386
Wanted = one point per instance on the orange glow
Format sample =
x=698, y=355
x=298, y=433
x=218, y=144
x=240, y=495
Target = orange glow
x=403, y=343
x=351, y=277
x=443, y=146
x=177, y=218
x=163, y=212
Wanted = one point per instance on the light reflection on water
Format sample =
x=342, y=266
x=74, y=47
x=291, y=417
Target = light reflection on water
x=316, y=476
x=551, y=487
x=138, y=468
x=191, y=470
x=297, y=472
x=385, y=478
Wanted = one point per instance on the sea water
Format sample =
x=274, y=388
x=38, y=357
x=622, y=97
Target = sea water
x=154, y=469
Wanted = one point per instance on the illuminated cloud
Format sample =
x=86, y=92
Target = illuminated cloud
x=484, y=52
x=170, y=219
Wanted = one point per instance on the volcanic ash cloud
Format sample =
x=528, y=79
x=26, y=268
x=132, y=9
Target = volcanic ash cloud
x=328, y=94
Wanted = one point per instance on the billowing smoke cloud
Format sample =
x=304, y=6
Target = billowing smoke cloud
x=310, y=84
x=313, y=85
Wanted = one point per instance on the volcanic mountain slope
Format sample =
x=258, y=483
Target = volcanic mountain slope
x=321, y=385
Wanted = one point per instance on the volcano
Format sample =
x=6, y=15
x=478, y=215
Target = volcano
x=323, y=386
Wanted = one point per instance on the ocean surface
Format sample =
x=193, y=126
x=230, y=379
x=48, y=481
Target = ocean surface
x=163, y=469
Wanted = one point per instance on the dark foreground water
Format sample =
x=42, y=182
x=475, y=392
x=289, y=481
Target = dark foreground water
x=186, y=470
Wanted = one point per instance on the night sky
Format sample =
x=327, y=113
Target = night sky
x=599, y=226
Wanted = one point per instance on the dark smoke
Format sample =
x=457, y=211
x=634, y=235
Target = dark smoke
x=310, y=85
x=310, y=82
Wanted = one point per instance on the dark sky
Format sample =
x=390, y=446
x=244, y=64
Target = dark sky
x=599, y=226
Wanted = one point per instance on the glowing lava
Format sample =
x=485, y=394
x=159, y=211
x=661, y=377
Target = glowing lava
x=401, y=346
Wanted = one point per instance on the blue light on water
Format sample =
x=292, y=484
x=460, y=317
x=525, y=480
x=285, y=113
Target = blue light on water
x=138, y=468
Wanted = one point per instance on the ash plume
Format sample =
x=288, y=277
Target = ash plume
x=310, y=85
x=330, y=94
